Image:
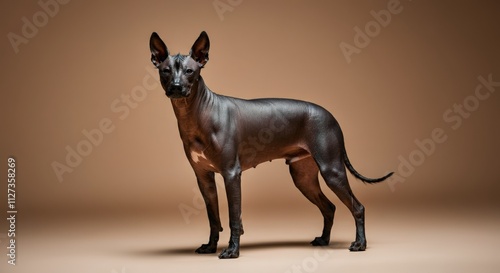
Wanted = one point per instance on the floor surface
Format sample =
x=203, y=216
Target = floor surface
x=399, y=241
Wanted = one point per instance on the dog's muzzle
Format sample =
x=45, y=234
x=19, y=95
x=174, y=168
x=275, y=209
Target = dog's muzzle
x=176, y=91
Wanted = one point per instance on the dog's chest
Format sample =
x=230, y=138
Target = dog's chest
x=199, y=152
x=199, y=157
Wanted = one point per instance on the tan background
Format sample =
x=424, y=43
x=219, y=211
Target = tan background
x=121, y=204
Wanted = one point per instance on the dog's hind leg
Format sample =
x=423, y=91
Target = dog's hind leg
x=305, y=177
x=332, y=170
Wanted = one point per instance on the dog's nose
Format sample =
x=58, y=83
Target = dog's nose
x=175, y=90
x=176, y=87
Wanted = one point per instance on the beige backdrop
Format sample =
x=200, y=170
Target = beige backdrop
x=70, y=69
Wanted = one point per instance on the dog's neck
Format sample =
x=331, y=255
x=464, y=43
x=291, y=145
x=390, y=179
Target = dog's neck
x=191, y=111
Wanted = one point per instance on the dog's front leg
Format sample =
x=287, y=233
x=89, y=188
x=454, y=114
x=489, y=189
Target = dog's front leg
x=208, y=188
x=232, y=181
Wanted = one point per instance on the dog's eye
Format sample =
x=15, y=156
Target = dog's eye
x=189, y=71
x=165, y=70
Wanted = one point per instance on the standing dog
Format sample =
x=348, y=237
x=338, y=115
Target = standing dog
x=229, y=135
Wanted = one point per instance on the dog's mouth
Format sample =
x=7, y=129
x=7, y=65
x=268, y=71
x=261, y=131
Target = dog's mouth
x=176, y=94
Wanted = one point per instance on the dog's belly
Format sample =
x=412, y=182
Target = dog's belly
x=290, y=154
x=296, y=157
x=250, y=158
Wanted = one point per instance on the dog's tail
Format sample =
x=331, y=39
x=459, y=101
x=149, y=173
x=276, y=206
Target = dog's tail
x=361, y=177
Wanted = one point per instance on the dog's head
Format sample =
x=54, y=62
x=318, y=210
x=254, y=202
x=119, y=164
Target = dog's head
x=178, y=72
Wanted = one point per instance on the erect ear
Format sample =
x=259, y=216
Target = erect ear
x=199, y=50
x=159, y=51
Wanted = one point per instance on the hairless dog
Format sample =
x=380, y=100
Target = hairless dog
x=228, y=135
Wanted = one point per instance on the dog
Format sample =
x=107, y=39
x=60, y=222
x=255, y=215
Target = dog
x=227, y=135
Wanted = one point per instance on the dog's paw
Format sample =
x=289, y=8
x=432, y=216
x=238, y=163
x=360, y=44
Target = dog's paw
x=358, y=246
x=229, y=253
x=318, y=241
x=206, y=249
